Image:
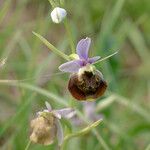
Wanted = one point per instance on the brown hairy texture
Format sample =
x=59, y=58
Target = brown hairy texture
x=74, y=90
x=87, y=86
x=101, y=90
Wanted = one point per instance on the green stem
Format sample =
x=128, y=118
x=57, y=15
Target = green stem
x=101, y=140
x=52, y=3
x=96, y=133
x=70, y=38
x=28, y=145
x=62, y=2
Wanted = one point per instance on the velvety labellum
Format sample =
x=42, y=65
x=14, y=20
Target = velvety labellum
x=88, y=85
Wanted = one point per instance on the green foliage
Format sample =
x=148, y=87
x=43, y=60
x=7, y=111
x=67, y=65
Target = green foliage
x=30, y=74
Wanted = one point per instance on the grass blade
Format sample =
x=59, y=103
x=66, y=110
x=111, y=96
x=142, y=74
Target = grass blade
x=33, y=88
x=4, y=10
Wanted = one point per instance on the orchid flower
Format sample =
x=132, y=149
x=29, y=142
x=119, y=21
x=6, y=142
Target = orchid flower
x=82, y=58
x=86, y=82
x=47, y=125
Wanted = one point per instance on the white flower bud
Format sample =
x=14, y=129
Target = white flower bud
x=58, y=14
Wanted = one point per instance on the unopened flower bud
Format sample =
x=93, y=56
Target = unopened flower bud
x=58, y=14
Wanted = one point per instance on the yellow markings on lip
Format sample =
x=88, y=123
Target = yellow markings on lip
x=90, y=99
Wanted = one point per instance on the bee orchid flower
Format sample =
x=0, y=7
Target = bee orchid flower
x=46, y=126
x=86, y=82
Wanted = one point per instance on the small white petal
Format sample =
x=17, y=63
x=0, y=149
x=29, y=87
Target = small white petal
x=48, y=106
x=58, y=14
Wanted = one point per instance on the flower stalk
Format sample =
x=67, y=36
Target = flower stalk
x=28, y=145
x=70, y=38
x=52, y=3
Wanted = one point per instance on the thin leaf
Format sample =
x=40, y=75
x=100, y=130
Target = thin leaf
x=51, y=47
x=33, y=88
x=107, y=57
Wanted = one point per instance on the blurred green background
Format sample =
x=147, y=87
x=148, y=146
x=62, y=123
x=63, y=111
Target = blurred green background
x=113, y=25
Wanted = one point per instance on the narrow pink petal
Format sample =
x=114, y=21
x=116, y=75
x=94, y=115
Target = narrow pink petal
x=83, y=48
x=60, y=134
x=71, y=66
x=93, y=59
x=66, y=112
